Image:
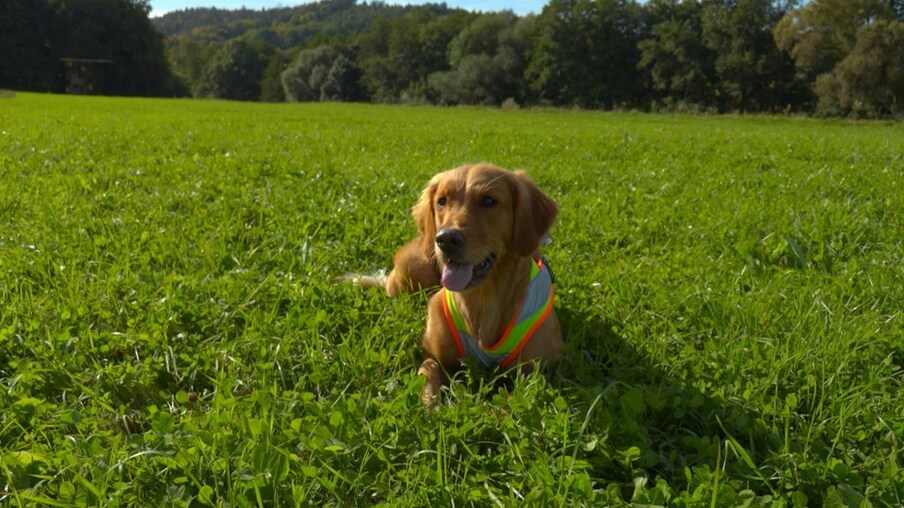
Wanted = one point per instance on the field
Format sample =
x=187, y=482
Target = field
x=730, y=288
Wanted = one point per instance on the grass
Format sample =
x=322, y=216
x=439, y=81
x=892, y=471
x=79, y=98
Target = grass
x=730, y=290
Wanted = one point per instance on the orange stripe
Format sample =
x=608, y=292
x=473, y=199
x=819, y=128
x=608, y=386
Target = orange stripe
x=451, y=324
x=530, y=333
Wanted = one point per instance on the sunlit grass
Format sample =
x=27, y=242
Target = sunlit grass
x=730, y=291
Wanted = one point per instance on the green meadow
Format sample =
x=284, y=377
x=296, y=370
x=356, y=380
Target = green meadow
x=730, y=290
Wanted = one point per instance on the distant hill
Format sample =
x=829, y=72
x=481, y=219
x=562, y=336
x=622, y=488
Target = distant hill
x=184, y=21
x=284, y=27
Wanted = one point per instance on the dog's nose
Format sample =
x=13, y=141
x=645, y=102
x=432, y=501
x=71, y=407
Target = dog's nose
x=450, y=241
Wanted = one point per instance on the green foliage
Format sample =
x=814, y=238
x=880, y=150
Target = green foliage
x=488, y=59
x=585, y=53
x=236, y=70
x=851, y=51
x=396, y=57
x=729, y=290
x=195, y=35
x=271, y=81
x=719, y=56
x=26, y=62
x=832, y=57
x=53, y=46
x=321, y=74
x=869, y=81
x=675, y=57
x=829, y=57
x=820, y=33
x=752, y=74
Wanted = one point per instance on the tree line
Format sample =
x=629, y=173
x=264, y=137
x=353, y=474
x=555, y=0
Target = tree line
x=828, y=57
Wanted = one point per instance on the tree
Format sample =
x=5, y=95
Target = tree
x=271, y=80
x=752, y=74
x=189, y=58
x=396, y=57
x=29, y=46
x=118, y=31
x=388, y=59
x=236, y=70
x=488, y=58
x=585, y=53
x=481, y=36
x=680, y=66
x=36, y=35
x=324, y=73
x=869, y=81
x=822, y=32
x=846, y=48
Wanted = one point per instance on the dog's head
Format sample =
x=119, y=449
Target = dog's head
x=473, y=216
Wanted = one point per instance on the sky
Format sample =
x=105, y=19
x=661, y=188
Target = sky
x=520, y=7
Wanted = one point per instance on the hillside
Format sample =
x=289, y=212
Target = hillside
x=284, y=27
x=185, y=20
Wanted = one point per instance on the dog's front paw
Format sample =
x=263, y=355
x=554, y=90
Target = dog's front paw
x=435, y=379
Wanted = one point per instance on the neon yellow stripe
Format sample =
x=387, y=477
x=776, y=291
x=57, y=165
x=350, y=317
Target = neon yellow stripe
x=456, y=316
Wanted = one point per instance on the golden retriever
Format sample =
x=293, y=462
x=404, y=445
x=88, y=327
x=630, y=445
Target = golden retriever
x=480, y=228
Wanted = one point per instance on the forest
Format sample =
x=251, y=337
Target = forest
x=822, y=57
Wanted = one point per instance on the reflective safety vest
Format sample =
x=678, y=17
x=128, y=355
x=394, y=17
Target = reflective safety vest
x=536, y=307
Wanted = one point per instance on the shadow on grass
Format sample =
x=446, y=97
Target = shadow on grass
x=656, y=424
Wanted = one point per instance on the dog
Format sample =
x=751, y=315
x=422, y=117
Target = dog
x=480, y=228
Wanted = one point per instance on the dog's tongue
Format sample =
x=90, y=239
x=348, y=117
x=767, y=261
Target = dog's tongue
x=457, y=276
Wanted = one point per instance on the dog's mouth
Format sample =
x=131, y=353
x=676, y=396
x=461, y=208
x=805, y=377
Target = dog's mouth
x=461, y=276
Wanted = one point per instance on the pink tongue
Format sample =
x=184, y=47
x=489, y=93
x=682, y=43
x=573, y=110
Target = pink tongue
x=456, y=277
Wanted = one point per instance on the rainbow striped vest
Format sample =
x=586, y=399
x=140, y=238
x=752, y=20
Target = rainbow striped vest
x=534, y=311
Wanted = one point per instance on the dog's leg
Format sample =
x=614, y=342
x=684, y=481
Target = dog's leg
x=412, y=271
x=365, y=280
x=436, y=378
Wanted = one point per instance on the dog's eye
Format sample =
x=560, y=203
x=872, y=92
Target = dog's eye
x=441, y=202
x=487, y=202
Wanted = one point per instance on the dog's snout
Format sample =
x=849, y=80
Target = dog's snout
x=450, y=241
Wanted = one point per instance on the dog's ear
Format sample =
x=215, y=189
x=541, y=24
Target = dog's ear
x=535, y=214
x=423, y=217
